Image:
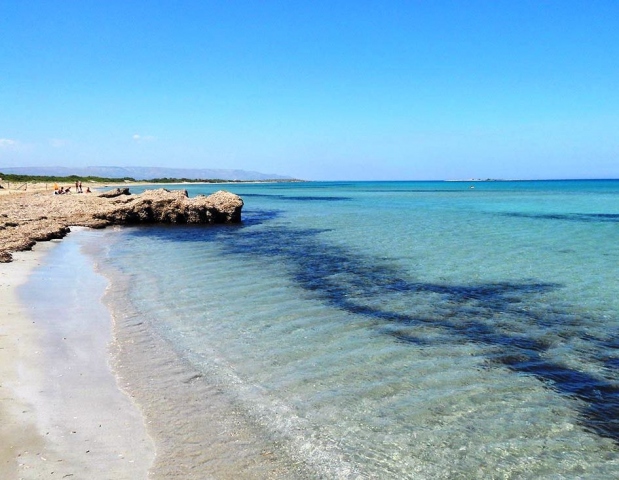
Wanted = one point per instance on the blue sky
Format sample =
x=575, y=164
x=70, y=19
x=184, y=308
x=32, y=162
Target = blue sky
x=317, y=90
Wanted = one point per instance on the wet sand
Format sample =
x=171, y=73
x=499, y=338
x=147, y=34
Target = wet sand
x=62, y=413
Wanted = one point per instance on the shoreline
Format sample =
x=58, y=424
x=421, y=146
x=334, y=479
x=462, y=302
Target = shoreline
x=89, y=390
x=62, y=410
x=86, y=394
x=199, y=428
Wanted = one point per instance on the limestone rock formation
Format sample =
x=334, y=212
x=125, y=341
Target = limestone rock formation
x=164, y=206
x=149, y=207
x=29, y=218
x=115, y=193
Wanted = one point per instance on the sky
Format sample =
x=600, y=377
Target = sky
x=318, y=90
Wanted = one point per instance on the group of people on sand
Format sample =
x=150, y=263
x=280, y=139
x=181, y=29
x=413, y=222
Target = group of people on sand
x=63, y=191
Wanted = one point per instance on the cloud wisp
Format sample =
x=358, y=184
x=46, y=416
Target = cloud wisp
x=143, y=138
x=7, y=143
x=58, y=142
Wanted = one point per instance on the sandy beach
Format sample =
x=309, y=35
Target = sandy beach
x=8, y=188
x=62, y=413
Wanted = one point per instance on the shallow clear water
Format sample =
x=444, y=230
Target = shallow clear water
x=399, y=329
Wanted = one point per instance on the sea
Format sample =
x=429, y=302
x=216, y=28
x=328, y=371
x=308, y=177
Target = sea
x=376, y=330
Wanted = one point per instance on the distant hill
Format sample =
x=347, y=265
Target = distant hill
x=145, y=173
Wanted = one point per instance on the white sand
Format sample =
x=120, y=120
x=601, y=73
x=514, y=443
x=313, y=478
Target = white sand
x=62, y=414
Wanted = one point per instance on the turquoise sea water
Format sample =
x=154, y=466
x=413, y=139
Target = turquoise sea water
x=397, y=329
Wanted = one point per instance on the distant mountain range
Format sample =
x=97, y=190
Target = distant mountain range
x=145, y=173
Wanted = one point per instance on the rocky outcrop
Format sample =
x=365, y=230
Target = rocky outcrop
x=164, y=206
x=29, y=218
x=115, y=193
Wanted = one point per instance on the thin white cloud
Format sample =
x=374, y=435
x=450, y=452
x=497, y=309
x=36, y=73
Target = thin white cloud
x=58, y=142
x=143, y=138
x=7, y=143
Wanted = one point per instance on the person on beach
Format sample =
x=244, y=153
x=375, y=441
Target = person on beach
x=79, y=187
x=88, y=190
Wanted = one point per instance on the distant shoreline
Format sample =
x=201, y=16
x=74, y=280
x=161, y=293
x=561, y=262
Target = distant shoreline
x=8, y=184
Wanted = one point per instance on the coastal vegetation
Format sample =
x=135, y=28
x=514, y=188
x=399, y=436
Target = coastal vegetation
x=20, y=178
x=9, y=178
